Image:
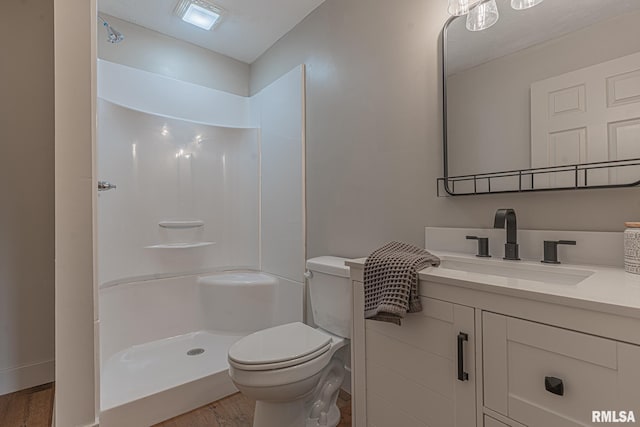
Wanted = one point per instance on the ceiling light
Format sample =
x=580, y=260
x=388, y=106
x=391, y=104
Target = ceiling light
x=482, y=14
x=200, y=17
x=524, y=4
x=200, y=13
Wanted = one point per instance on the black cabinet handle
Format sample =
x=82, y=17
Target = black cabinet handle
x=554, y=385
x=462, y=375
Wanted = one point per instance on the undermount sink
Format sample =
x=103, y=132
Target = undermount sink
x=523, y=270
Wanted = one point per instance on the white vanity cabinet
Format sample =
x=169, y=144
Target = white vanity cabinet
x=411, y=374
x=533, y=360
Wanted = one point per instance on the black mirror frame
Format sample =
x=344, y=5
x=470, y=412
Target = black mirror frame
x=580, y=183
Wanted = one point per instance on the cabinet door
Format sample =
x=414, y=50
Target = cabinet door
x=543, y=376
x=412, y=370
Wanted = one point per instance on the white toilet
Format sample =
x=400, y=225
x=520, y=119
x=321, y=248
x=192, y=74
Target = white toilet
x=294, y=371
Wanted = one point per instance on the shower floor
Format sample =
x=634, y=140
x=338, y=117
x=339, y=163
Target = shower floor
x=143, y=371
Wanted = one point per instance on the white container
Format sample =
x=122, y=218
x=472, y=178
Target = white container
x=632, y=247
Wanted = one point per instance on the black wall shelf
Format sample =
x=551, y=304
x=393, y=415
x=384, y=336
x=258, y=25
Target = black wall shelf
x=581, y=176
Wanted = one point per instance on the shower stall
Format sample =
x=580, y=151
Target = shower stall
x=200, y=234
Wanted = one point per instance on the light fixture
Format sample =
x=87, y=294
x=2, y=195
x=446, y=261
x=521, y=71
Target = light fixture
x=461, y=7
x=482, y=14
x=524, y=4
x=200, y=13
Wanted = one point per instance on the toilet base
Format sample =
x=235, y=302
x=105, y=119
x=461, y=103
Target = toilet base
x=318, y=410
x=283, y=414
x=291, y=414
x=331, y=419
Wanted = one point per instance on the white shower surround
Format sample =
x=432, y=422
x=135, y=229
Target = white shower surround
x=156, y=94
x=164, y=180
x=153, y=300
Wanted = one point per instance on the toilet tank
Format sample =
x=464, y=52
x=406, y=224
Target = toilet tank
x=330, y=293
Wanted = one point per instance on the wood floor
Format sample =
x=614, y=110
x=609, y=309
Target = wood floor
x=34, y=408
x=27, y=408
x=237, y=411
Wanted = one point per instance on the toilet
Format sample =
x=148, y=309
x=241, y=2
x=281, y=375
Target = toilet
x=294, y=372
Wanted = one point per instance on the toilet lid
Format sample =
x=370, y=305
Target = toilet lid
x=285, y=343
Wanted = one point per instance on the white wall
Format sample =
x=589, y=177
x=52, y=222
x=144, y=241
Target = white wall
x=279, y=113
x=151, y=51
x=76, y=318
x=489, y=105
x=372, y=119
x=26, y=216
x=374, y=133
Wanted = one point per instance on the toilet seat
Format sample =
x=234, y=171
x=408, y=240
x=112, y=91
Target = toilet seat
x=279, y=347
x=280, y=365
x=279, y=377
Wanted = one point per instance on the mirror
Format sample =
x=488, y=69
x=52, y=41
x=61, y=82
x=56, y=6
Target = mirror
x=550, y=86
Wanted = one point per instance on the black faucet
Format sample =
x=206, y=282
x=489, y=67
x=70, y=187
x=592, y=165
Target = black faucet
x=511, y=247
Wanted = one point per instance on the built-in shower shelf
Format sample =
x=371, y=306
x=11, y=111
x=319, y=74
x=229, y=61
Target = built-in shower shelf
x=181, y=245
x=181, y=224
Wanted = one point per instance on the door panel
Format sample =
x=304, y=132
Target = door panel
x=577, y=117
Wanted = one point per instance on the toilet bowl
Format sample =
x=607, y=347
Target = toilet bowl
x=294, y=372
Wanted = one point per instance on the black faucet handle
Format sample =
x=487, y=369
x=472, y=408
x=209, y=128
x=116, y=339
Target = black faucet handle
x=551, y=250
x=483, y=246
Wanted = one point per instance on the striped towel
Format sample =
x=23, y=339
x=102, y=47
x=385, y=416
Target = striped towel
x=391, y=281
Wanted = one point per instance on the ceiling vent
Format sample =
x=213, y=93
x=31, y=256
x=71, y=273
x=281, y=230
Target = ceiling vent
x=200, y=13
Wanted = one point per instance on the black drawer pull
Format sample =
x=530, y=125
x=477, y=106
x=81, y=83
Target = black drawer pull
x=462, y=375
x=554, y=385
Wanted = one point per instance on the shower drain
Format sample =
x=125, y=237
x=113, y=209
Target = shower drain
x=195, y=352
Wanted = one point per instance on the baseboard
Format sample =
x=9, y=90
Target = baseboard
x=17, y=379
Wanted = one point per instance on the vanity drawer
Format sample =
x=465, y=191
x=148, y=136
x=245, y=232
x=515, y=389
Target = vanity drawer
x=541, y=375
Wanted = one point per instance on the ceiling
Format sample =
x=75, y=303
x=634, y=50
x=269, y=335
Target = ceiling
x=516, y=30
x=246, y=31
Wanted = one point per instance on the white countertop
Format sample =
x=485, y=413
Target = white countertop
x=607, y=289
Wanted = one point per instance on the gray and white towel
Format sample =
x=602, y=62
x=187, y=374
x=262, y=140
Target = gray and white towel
x=391, y=281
